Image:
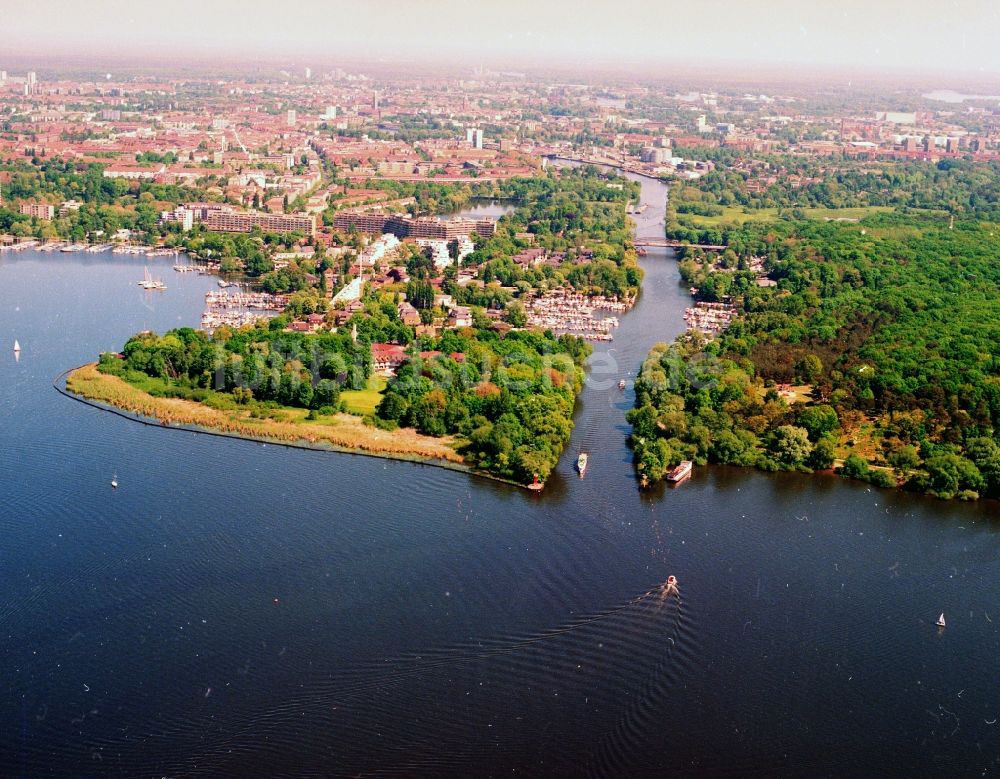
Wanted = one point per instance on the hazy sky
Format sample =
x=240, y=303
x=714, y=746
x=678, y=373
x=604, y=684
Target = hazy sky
x=946, y=35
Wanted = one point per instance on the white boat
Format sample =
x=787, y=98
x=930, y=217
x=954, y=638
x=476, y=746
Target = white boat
x=940, y=620
x=114, y=482
x=621, y=384
x=148, y=282
x=581, y=463
x=680, y=473
x=17, y=346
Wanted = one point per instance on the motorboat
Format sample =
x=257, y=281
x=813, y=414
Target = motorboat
x=681, y=472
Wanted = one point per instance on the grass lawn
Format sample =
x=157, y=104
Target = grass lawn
x=740, y=215
x=365, y=401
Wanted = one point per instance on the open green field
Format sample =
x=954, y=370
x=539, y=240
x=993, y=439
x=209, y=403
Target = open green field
x=365, y=401
x=741, y=215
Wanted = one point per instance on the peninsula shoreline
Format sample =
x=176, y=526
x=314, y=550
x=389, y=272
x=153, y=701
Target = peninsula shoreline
x=81, y=383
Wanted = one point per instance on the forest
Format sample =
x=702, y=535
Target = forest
x=259, y=367
x=107, y=204
x=955, y=186
x=508, y=397
x=890, y=327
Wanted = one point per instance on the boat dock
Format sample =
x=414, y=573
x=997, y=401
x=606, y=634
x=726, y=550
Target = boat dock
x=567, y=311
x=235, y=309
x=709, y=317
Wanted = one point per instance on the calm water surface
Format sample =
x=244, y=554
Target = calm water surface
x=482, y=207
x=235, y=609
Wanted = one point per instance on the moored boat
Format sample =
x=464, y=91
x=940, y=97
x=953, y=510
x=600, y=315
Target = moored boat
x=680, y=473
x=148, y=282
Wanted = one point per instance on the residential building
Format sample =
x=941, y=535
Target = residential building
x=228, y=221
x=37, y=210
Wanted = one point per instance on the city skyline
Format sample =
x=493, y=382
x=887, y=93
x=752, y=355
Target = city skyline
x=889, y=36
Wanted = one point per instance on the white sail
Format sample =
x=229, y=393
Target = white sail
x=940, y=621
x=17, y=346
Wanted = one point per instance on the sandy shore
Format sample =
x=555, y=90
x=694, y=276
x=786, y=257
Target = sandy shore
x=342, y=432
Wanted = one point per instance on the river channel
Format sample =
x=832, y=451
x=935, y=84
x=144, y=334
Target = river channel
x=236, y=609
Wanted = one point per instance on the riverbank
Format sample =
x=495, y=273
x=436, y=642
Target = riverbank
x=339, y=432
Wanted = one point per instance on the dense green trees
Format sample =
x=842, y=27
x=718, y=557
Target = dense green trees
x=253, y=363
x=577, y=214
x=894, y=324
x=510, y=398
x=799, y=181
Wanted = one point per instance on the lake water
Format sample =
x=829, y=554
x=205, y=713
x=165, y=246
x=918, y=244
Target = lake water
x=235, y=609
x=481, y=208
x=951, y=96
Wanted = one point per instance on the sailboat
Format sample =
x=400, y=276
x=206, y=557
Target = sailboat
x=17, y=346
x=940, y=620
x=114, y=482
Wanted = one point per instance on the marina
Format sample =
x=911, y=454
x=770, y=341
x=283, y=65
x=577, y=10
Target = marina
x=238, y=308
x=709, y=317
x=566, y=311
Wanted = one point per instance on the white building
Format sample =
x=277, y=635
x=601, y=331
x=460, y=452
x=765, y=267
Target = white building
x=183, y=216
x=465, y=247
x=439, y=251
x=385, y=244
x=351, y=292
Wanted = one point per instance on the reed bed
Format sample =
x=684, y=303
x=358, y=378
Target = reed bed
x=343, y=431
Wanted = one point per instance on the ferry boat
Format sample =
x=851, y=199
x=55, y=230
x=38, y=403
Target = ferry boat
x=581, y=463
x=680, y=473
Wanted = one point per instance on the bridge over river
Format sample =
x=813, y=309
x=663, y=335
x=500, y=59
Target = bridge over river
x=664, y=243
